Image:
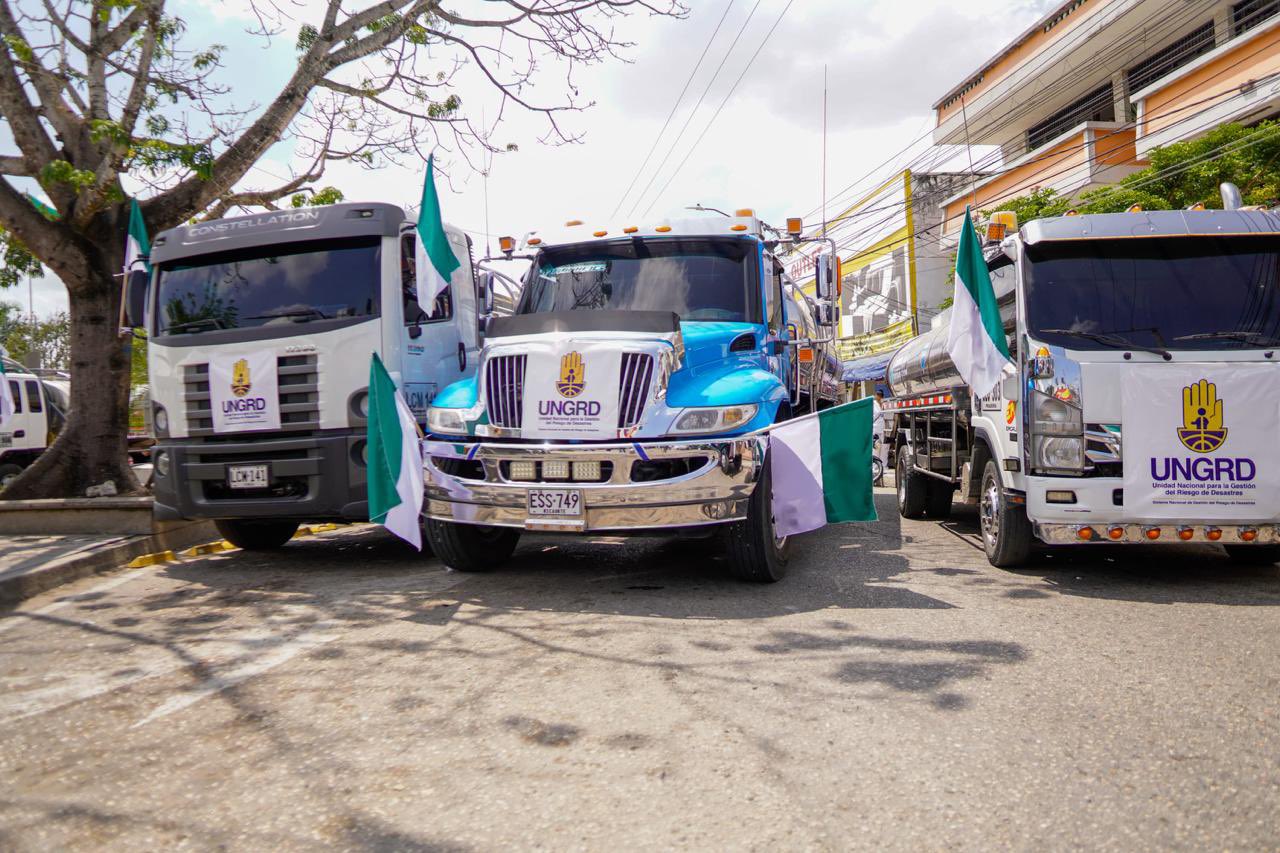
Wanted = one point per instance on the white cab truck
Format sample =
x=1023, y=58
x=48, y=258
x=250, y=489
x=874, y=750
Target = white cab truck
x=629, y=393
x=1146, y=396
x=35, y=421
x=260, y=334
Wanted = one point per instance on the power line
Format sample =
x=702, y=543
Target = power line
x=674, y=107
x=716, y=115
x=715, y=75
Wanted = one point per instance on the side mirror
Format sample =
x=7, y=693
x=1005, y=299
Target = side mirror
x=793, y=333
x=824, y=314
x=135, y=298
x=485, y=283
x=826, y=275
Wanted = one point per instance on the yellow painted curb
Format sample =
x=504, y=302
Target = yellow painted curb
x=152, y=559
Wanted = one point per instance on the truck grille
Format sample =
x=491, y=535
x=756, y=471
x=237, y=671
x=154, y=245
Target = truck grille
x=298, y=378
x=504, y=390
x=633, y=387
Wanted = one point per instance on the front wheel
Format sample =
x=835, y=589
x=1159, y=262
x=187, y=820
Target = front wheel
x=1006, y=532
x=1253, y=555
x=256, y=535
x=755, y=553
x=471, y=547
x=8, y=473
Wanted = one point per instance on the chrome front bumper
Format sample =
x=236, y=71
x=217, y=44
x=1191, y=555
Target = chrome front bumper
x=715, y=489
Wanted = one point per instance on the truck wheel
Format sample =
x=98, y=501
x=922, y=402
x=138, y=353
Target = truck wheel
x=256, y=535
x=912, y=488
x=471, y=547
x=938, y=499
x=8, y=473
x=755, y=554
x=1253, y=555
x=1006, y=532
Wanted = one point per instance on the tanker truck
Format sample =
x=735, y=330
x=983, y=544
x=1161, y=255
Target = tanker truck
x=1145, y=397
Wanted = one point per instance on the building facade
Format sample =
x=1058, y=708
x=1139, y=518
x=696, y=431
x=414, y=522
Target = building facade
x=1079, y=99
x=895, y=271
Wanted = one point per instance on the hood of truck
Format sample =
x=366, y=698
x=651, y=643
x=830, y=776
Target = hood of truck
x=318, y=378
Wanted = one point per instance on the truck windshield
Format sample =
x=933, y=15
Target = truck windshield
x=699, y=279
x=1178, y=293
x=270, y=285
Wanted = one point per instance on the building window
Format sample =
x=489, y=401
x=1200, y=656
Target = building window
x=1171, y=57
x=1250, y=13
x=1098, y=105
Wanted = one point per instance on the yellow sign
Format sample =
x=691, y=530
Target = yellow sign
x=881, y=340
x=573, y=375
x=240, y=383
x=1202, y=430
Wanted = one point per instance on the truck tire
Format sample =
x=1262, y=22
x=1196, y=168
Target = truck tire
x=471, y=547
x=912, y=489
x=755, y=554
x=1253, y=555
x=8, y=473
x=938, y=497
x=1006, y=532
x=256, y=535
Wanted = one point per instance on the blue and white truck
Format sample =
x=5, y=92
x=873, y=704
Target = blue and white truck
x=260, y=331
x=628, y=394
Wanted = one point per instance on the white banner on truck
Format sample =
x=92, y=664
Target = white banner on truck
x=571, y=392
x=243, y=391
x=1200, y=442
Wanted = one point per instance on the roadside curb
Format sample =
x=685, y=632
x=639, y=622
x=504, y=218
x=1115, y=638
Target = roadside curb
x=192, y=539
x=98, y=558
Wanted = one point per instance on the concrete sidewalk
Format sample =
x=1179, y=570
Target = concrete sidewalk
x=32, y=563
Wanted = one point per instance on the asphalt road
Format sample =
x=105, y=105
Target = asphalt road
x=894, y=692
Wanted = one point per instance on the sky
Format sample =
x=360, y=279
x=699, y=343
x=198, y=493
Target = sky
x=886, y=61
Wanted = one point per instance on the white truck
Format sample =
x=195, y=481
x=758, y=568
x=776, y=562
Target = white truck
x=36, y=419
x=1146, y=396
x=260, y=334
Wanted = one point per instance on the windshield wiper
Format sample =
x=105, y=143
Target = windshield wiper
x=192, y=325
x=1110, y=340
x=300, y=313
x=1248, y=337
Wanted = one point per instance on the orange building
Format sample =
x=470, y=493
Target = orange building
x=1080, y=98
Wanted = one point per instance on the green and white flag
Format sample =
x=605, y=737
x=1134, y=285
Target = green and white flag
x=6, y=396
x=435, y=260
x=136, y=245
x=976, y=341
x=395, y=458
x=821, y=469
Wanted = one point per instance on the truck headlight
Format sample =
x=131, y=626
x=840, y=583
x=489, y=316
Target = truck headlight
x=714, y=419
x=1064, y=453
x=446, y=421
x=1051, y=416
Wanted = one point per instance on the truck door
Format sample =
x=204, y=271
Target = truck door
x=28, y=428
x=783, y=364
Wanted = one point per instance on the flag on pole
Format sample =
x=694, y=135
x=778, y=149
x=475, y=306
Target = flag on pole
x=136, y=245
x=45, y=210
x=6, y=396
x=976, y=340
x=395, y=458
x=435, y=260
x=821, y=469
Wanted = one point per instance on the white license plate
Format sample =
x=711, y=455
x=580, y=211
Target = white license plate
x=556, y=502
x=248, y=476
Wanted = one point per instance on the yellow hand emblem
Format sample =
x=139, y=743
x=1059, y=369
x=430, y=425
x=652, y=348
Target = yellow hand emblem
x=1202, y=430
x=573, y=375
x=240, y=383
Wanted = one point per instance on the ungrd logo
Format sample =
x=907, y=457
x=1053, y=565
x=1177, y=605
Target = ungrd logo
x=573, y=375
x=1202, y=430
x=240, y=381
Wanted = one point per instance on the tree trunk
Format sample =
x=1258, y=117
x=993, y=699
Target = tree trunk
x=93, y=446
